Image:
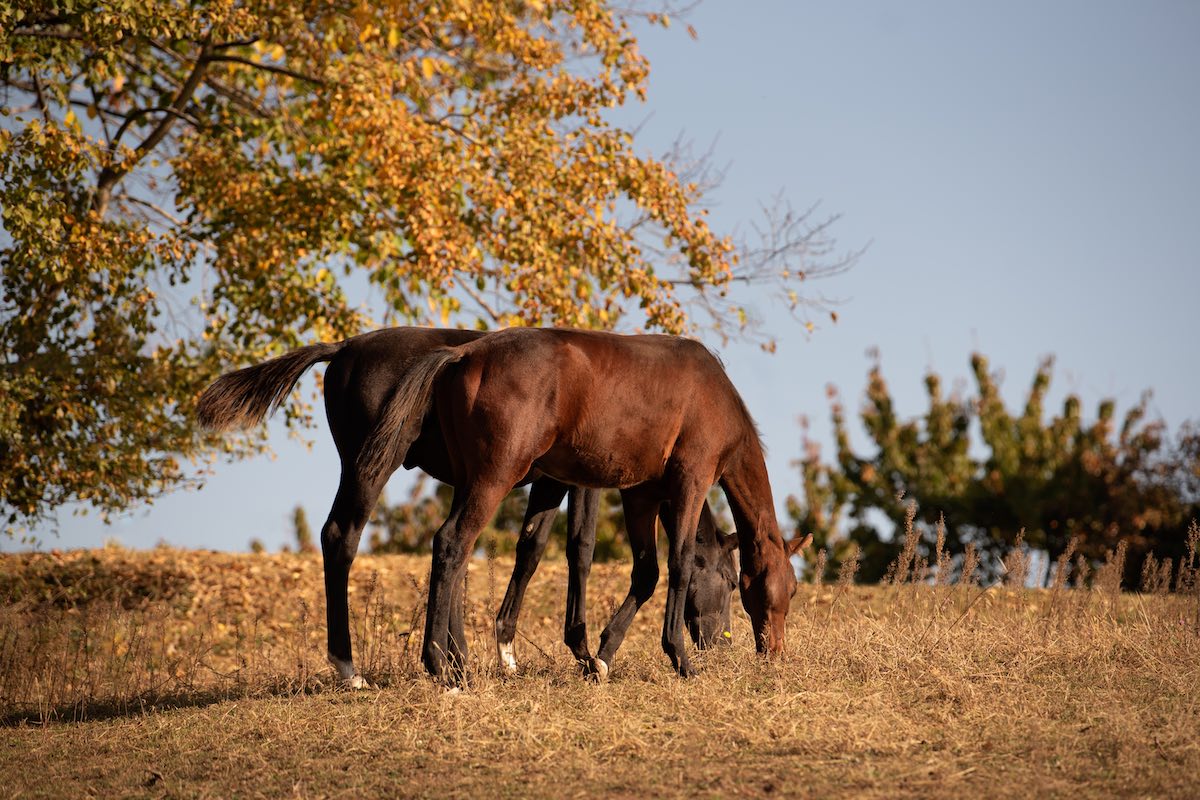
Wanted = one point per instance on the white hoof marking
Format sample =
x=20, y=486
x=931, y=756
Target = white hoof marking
x=348, y=676
x=507, y=660
x=345, y=669
x=601, y=670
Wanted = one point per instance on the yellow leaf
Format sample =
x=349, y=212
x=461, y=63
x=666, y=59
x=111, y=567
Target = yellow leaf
x=393, y=36
x=428, y=66
x=118, y=82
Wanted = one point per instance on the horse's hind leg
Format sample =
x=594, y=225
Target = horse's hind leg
x=545, y=496
x=456, y=643
x=641, y=511
x=582, y=510
x=445, y=650
x=339, y=544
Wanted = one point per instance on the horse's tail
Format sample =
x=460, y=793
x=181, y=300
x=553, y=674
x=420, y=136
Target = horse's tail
x=400, y=422
x=244, y=398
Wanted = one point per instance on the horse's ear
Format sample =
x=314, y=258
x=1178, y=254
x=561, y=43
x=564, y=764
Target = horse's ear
x=729, y=541
x=796, y=544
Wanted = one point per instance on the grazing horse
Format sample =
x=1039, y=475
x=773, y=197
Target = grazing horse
x=362, y=375
x=714, y=577
x=654, y=415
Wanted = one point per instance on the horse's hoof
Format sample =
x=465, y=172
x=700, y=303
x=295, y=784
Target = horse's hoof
x=507, y=660
x=595, y=670
x=348, y=678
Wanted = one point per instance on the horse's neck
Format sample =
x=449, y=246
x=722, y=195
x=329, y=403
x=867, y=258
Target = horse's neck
x=749, y=493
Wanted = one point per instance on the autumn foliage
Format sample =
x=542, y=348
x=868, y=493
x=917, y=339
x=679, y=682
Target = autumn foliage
x=189, y=186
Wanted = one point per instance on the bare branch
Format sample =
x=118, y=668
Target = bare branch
x=39, y=33
x=474, y=295
x=238, y=43
x=269, y=68
x=110, y=175
x=136, y=114
x=41, y=99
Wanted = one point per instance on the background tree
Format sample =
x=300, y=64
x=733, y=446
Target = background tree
x=303, y=531
x=1057, y=479
x=409, y=526
x=190, y=186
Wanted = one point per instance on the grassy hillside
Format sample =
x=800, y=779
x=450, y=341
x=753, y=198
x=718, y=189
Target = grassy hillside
x=186, y=674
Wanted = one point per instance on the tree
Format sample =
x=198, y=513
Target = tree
x=189, y=186
x=1058, y=480
x=303, y=531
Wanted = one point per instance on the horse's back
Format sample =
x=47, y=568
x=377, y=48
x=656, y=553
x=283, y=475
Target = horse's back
x=599, y=409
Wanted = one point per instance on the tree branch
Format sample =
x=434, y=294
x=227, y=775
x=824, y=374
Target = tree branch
x=474, y=295
x=109, y=176
x=35, y=33
x=237, y=43
x=141, y=112
x=41, y=99
x=269, y=68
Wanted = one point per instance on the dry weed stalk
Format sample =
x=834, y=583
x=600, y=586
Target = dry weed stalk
x=969, y=574
x=905, y=568
x=1156, y=575
x=1189, y=579
x=1109, y=575
x=846, y=572
x=1062, y=566
x=1083, y=570
x=819, y=569
x=1015, y=564
x=942, y=555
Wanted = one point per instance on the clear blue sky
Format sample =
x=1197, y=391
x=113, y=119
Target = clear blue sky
x=1027, y=175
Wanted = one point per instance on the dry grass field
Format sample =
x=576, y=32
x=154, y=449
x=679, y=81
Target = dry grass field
x=189, y=674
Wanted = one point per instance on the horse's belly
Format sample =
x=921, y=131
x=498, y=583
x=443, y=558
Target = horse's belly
x=608, y=467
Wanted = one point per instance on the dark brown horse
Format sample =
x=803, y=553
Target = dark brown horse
x=361, y=378
x=654, y=415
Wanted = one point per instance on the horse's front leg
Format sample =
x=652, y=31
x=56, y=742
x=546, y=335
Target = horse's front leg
x=680, y=519
x=641, y=512
x=545, y=496
x=582, y=511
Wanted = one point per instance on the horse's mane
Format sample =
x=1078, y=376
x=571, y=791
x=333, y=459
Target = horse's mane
x=741, y=403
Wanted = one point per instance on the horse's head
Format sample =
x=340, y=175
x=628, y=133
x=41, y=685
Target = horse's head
x=714, y=576
x=767, y=594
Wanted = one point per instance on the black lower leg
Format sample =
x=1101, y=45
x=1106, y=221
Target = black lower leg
x=641, y=587
x=339, y=544
x=457, y=641
x=545, y=496
x=582, y=511
x=682, y=535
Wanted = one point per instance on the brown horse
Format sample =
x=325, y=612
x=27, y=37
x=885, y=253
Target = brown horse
x=359, y=383
x=654, y=415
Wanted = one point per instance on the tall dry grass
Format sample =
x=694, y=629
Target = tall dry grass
x=104, y=632
x=921, y=687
